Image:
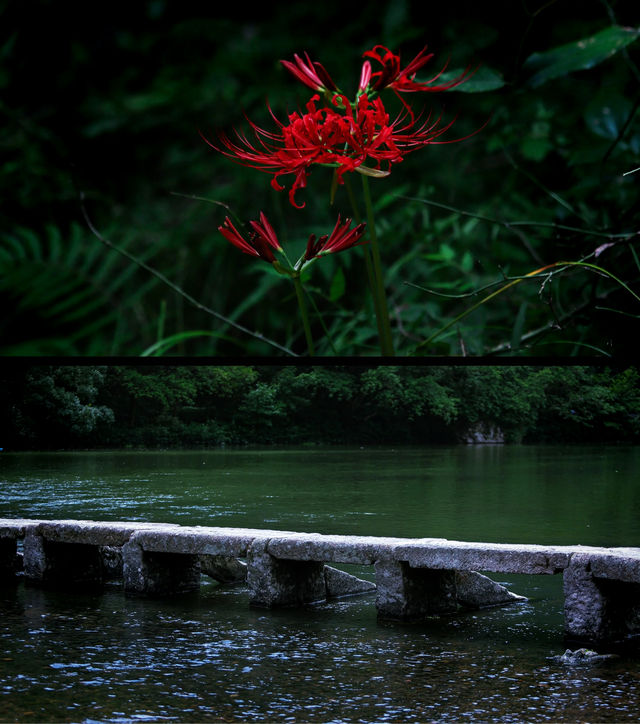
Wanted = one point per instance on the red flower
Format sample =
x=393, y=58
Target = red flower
x=341, y=238
x=262, y=238
x=391, y=76
x=344, y=140
x=311, y=74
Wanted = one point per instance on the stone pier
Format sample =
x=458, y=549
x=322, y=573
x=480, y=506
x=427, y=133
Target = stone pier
x=602, y=597
x=416, y=578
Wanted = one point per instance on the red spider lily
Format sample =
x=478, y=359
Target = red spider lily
x=310, y=73
x=262, y=238
x=341, y=238
x=391, y=76
x=324, y=136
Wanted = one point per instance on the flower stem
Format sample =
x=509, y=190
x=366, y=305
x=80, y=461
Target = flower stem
x=367, y=256
x=303, y=313
x=378, y=291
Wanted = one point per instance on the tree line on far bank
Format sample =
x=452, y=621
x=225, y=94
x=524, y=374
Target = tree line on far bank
x=86, y=406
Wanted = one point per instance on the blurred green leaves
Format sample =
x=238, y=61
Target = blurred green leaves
x=480, y=80
x=65, y=294
x=579, y=55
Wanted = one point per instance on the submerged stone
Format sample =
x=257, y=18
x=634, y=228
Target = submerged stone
x=582, y=656
x=473, y=590
x=339, y=583
x=223, y=568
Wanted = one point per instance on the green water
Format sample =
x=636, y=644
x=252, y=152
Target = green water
x=105, y=657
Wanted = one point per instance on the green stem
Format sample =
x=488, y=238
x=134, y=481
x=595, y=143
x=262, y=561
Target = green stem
x=303, y=313
x=378, y=291
x=367, y=256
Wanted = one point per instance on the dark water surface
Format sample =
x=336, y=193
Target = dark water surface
x=83, y=657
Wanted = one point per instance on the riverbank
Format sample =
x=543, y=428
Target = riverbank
x=164, y=407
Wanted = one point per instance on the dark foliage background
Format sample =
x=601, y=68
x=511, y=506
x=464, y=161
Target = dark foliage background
x=65, y=407
x=107, y=100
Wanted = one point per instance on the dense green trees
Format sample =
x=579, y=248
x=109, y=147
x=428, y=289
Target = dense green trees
x=205, y=406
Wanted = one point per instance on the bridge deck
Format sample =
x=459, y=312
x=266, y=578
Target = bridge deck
x=622, y=563
x=415, y=577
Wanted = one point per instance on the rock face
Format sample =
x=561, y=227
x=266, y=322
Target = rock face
x=483, y=434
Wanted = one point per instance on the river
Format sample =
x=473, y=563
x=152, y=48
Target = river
x=104, y=657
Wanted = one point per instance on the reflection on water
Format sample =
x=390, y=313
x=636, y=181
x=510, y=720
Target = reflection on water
x=209, y=657
x=538, y=494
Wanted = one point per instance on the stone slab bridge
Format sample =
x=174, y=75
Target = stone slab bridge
x=416, y=578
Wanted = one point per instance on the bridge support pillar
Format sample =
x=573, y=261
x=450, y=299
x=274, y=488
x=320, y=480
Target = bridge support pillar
x=275, y=582
x=598, y=610
x=150, y=573
x=410, y=594
x=53, y=563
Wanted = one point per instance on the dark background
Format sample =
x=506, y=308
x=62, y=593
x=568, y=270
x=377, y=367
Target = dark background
x=108, y=100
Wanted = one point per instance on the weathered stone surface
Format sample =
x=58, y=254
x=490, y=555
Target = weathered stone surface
x=620, y=564
x=231, y=542
x=408, y=594
x=596, y=608
x=91, y=532
x=158, y=574
x=223, y=568
x=496, y=557
x=473, y=590
x=364, y=550
x=339, y=583
x=111, y=557
x=274, y=583
x=16, y=527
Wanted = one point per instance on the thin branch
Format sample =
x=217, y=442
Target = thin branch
x=510, y=225
x=557, y=198
x=549, y=270
x=621, y=132
x=174, y=287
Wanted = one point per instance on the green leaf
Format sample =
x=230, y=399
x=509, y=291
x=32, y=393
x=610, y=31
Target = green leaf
x=578, y=55
x=467, y=262
x=447, y=253
x=607, y=114
x=338, y=284
x=518, y=327
x=480, y=81
x=161, y=346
